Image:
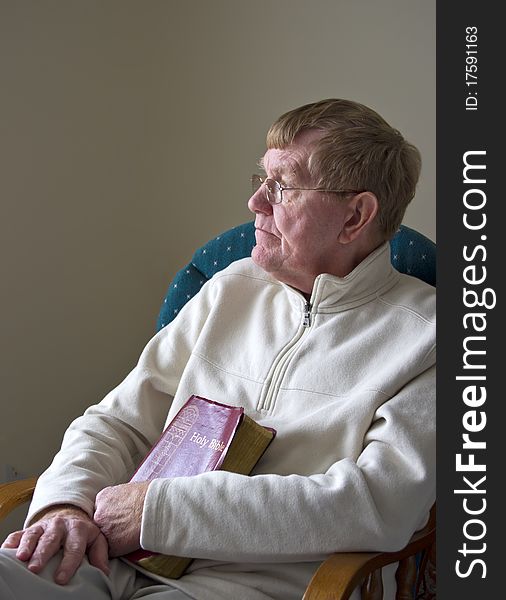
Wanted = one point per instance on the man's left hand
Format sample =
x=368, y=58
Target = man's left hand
x=118, y=513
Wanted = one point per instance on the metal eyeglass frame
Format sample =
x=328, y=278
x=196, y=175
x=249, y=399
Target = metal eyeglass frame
x=257, y=181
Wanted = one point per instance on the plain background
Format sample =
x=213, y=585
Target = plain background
x=128, y=134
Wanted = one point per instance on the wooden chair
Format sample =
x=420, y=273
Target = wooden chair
x=337, y=576
x=340, y=574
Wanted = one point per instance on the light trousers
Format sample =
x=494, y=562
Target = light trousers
x=89, y=583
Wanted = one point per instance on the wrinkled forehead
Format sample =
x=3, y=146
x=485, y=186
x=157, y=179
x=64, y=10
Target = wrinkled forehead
x=294, y=158
x=276, y=162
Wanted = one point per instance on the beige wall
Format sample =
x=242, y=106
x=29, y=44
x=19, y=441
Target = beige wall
x=128, y=132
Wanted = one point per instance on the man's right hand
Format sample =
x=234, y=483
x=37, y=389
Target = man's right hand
x=66, y=527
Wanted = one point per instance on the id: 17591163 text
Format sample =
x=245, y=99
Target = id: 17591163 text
x=471, y=68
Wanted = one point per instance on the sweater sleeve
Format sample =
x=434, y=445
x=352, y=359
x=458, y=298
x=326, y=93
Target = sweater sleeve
x=104, y=446
x=372, y=504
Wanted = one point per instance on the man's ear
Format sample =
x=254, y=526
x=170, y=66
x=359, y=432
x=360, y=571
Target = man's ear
x=361, y=211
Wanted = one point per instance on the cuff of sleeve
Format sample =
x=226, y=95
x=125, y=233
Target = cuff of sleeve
x=155, y=516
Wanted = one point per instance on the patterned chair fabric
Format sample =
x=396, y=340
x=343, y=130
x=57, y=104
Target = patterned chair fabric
x=411, y=253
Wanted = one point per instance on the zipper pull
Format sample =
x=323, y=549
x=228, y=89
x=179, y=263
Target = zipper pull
x=307, y=315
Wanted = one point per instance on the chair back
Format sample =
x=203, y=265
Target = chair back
x=411, y=253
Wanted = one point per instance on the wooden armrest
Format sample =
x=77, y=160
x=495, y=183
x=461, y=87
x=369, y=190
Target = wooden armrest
x=15, y=493
x=341, y=573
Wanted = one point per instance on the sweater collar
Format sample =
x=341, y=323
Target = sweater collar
x=371, y=277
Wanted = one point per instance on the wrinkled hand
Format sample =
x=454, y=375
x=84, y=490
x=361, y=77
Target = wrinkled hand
x=69, y=528
x=118, y=513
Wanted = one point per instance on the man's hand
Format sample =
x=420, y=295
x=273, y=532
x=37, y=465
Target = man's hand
x=66, y=527
x=118, y=513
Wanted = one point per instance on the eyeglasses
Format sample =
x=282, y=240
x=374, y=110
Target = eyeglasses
x=274, y=190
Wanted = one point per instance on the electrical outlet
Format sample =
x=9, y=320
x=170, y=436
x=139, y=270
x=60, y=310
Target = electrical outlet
x=9, y=473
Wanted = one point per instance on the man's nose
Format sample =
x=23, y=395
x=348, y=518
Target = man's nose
x=258, y=202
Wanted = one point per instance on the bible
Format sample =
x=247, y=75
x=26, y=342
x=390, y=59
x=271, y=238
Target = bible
x=203, y=436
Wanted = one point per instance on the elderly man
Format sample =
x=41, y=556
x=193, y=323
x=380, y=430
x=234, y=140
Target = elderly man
x=315, y=335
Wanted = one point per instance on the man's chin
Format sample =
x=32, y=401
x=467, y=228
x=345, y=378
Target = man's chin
x=263, y=258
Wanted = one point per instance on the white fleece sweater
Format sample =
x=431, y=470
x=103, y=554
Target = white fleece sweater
x=349, y=385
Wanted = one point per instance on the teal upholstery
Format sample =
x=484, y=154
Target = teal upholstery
x=411, y=253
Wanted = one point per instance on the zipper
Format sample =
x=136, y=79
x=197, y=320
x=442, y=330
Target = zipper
x=280, y=365
x=307, y=314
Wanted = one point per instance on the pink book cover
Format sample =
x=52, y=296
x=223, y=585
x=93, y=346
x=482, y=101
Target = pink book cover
x=195, y=441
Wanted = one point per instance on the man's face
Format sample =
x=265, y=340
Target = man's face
x=297, y=239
